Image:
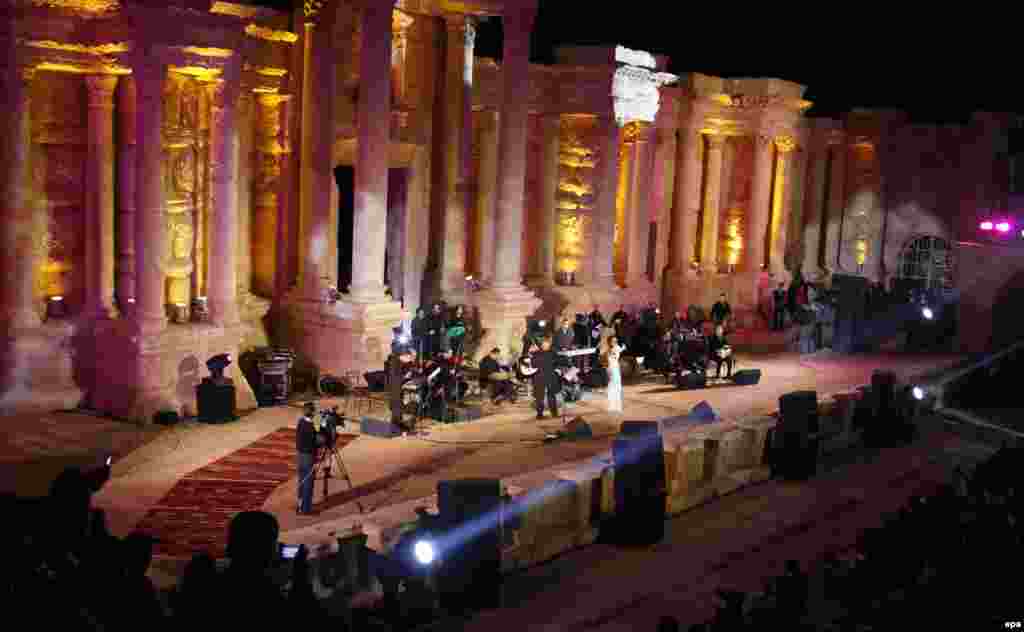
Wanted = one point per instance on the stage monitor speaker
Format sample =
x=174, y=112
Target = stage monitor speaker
x=376, y=381
x=798, y=412
x=470, y=572
x=640, y=487
x=379, y=428
x=746, y=377
x=216, y=402
x=691, y=381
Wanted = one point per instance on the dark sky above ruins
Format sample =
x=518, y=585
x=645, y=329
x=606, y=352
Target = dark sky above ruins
x=938, y=64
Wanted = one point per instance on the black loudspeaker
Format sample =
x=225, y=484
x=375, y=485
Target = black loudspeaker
x=376, y=381
x=470, y=572
x=640, y=488
x=747, y=377
x=851, y=312
x=796, y=443
x=691, y=381
x=886, y=422
x=216, y=402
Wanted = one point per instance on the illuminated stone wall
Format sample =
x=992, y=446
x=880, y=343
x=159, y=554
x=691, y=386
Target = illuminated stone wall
x=58, y=167
x=736, y=194
x=576, y=195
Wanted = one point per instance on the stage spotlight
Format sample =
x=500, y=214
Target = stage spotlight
x=424, y=552
x=918, y=392
x=403, y=339
x=542, y=323
x=986, y=226
x=927, y=313
x=1003, y=227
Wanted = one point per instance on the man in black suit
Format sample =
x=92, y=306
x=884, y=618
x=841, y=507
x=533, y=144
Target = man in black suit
x=305, y=450
x=721, y=311
x=545, y=380
x=500, y=388
x=779, y=307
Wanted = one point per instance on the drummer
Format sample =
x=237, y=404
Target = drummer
x=496, y=376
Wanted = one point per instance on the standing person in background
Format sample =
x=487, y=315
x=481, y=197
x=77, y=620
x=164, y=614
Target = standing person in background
x=721, y=311
x=456, y=332
x=779, y=308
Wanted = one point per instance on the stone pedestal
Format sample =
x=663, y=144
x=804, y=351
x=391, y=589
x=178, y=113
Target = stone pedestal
x=39, y=373
x=503, y=314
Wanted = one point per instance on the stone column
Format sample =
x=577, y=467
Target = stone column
x=267, y=264
x=245, y=151
x=662, y=181
x=371, y=177
x=486, y=194
x=316, y=173
x=784, y=146
x=99, y=228
x=125, y=286
x=685, y=213
x=814, y=202
x=222, y=296
x=452, y=256
x=150, y=221
x=515, y=71
x=282, y=189
x=544, y=270
x=712, y=205
x=836, y=204
x=760, y=206
x=20, y=249
x=604, y=211
x=638, y=216
x=506, y=305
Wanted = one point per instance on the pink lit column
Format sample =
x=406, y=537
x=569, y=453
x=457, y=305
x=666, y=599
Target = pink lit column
x=515, y=69
x=604, y=214
x=759, y=213
x=222, y=293
x=125, y=286
x=99, y=228
x=150, y=223
x=371, y=177
x=19, y=286
x=316, y=171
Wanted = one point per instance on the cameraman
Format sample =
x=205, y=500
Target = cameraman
x=305, y=449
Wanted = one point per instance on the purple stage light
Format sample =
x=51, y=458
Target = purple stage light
x=986, y=226
x=1003, y=227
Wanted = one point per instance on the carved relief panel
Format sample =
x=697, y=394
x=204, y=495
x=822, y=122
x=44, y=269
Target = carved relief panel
x=183, y=172
x=575, y=198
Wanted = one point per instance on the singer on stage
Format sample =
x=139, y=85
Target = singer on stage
x=545, y=380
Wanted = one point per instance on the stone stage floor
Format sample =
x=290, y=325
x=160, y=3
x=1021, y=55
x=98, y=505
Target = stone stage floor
x=385, y=472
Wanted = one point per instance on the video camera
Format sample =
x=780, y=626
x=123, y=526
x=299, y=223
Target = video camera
x=327, y=424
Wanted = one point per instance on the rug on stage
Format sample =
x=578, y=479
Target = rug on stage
x=193, y=516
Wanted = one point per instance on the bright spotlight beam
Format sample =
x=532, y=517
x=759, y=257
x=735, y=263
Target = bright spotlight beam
x=927, y=313
x=424, y=552
x=918, y=393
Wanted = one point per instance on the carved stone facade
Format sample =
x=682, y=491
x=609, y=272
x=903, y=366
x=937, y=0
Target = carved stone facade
x=379, y=117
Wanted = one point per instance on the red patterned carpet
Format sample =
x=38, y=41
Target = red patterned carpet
x=194, y=516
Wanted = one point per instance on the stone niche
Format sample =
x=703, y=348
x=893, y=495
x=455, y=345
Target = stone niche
x=58, y=159
x=575, y=196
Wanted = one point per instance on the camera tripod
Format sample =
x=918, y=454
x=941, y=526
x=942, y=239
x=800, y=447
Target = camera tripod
x=327, y=460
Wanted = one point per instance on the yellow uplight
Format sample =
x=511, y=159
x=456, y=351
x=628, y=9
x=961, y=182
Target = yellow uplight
x=99, y=69
x=199, y=72
x=221, y=53
x=271, y=35
x=73, y=47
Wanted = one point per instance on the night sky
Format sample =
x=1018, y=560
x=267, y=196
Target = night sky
x=939, y=67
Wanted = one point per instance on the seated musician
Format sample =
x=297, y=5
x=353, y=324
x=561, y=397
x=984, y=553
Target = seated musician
x=451, y=378
x=721, y=352
x=497, y=377
x=565, y=337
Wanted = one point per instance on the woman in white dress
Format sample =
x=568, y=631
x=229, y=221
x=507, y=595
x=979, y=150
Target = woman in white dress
x=614, y=375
